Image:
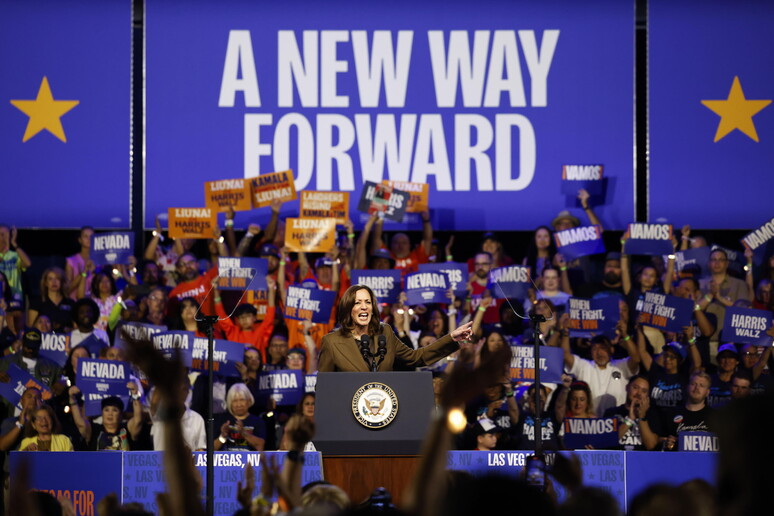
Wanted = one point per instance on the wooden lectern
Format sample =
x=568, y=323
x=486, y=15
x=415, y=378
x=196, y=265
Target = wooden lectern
x=358, y=458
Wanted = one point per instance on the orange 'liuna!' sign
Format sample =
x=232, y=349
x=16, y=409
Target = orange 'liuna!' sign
x=277, y=186
x=192, y=223
x=310, y=235
x=419, y=194
x=225, y=193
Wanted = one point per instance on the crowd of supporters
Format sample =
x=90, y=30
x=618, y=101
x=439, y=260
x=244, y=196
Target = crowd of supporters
x=656, y=384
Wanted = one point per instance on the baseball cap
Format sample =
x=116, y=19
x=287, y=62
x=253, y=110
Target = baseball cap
x=32, y=339
x=269, y=250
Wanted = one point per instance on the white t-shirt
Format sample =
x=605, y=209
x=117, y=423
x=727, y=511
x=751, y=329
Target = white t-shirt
x=77, y=336
x=608, y=385
x=194, y=433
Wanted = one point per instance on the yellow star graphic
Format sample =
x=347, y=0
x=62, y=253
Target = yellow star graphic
x=736, y=112
x=44, y=112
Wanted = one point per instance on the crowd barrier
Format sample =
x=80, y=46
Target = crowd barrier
x=86, y=477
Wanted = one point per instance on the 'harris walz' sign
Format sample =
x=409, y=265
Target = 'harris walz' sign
x=747, y=326
x=385, y=284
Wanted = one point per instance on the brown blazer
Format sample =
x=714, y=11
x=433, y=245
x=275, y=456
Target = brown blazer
x=339, y=353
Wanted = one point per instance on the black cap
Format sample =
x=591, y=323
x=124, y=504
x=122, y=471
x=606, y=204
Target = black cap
x=32, y=339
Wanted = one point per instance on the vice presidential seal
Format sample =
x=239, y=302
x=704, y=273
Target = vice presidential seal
x=375, y=405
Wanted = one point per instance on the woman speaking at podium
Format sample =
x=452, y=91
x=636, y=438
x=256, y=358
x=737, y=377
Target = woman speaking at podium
x=362, y=343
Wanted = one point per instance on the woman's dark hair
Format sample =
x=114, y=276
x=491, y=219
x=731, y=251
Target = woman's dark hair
x=56, y=428
x=532, y=250
x=300, y=404
x=485, y=351
x=346, y=305
x=179, y=319
x=95, y=281
x=444, y=319
x=68, y=371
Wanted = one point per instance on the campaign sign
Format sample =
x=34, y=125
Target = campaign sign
x=268, y=188
x=192, y=223
x=259, y=299
x=667, y=313
x=320, y=205
x=143, y=475
x=581, y=241
x=760, y=241
x=697, y=442
x=426, y=287
x=227, y=193
x=140, y=331
x=175, y=343
x=224, y=355
x=511, y=281
x=648, y=239
x=111, y=248
x=20, y=381
x=284, y=386
x=456, y=275
x=98, y=379
x=523, y=364
x=419, y=194
x=310, y=382
x=94, y=345
x=385, y=283
x=381, y=198
x=747, y=326
x=587, y=177
x=310, y=235
x=600, y=433
x=55, y=346
x=241, y=273
x=309, y=303
x=696, y=258
x=589, y=317
x=83, y=478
